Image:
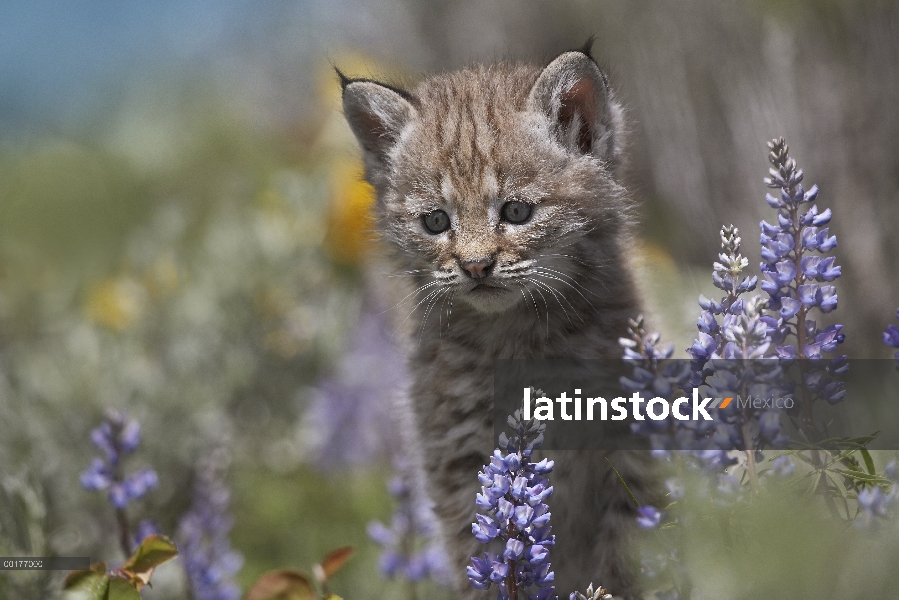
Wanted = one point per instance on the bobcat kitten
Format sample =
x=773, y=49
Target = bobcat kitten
x=498, y=197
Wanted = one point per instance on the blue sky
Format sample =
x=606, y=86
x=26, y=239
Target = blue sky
x=59, y=57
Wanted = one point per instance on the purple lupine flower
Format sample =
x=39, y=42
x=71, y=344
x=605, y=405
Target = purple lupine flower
x=727, y=275
x=742, y=334
x=782, y=466
x=891, y=338
x=346, y=422
x=117, y=436
x=794, y=268
x=97, y=476
x=122, y=493
x=726, y=353
x=744, y=371
x=891, y=472
x=653, y=373
x=649, y=517
x=874, y=504
x=408, y=550
x=203, y=531
x=873, y=501
x=515, y=516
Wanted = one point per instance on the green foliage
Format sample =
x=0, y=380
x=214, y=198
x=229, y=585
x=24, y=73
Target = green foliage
x=194, y=294
x=297, y=518
x=793, y=537
x=125, y=582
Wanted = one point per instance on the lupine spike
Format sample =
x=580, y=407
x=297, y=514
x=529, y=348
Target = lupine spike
x=117, y=436
x=791, y=274
x=203, y=531
x=515, y=513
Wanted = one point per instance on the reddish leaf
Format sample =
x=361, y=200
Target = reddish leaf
x=334, y=561
x=281, y=585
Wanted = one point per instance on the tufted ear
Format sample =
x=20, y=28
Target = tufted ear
x=573, y=93
x=377, y=114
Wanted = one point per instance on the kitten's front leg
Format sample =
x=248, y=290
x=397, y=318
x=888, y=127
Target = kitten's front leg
x=593, y=518
x=454, y=422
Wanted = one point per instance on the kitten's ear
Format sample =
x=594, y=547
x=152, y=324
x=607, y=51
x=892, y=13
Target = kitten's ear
x=377, y=114
x=574, y=94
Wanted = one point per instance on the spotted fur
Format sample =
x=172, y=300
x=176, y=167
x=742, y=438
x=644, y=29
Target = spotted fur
x=556, y=286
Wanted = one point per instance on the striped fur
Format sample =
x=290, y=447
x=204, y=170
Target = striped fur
x=560, y=286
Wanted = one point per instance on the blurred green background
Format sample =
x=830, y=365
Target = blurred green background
x=182, y=224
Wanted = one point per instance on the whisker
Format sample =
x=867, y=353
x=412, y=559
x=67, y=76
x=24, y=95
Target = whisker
x=415, y=291
x=524, y=289
x=588, y=275
x=449, y=315
x=440, y=319
x=569, y=277
x=592, y=265
x=549, y=289
x=545, y=303
x=430, y=307
x=422, y=301
x=569, y=284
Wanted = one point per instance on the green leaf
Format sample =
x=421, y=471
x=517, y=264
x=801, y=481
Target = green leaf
x=624, y=483
x=841, y=493
x=95, y=584
x=814, y=486
x=856, y=443
x=804, y=458
x=869, y=462
x=121, y=589
x=801, y=477
x=777, y=455
x=91, y=584
x=864, y=440
x=281, y=585
x=864, y=477
x=152, y=552
x=84, y=579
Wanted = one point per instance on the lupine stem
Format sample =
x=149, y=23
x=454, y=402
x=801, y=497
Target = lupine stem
x=124, y=531
x=406, y=548
x=511, y=583
x=747, y=434
x=121, y=515
x=807, y=417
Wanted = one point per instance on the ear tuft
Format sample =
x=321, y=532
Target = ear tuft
x=377, y=114
x=344, y=80
x=587, y=48
x=573, y=94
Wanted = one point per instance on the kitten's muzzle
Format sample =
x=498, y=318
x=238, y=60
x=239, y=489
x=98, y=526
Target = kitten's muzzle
x=478, y=269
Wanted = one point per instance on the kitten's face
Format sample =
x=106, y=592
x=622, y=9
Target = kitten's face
x=490, y=181
x=472, y=204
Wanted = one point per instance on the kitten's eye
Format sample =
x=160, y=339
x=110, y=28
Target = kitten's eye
x=516, y=211
x=437, y=221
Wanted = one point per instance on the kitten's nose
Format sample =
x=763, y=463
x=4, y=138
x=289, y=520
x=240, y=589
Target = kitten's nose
x=478, y=269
